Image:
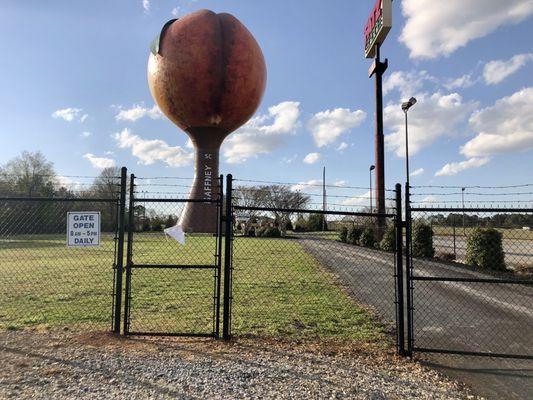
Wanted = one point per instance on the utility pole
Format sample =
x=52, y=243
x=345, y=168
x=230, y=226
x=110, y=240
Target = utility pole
x=324, y=199
x=372, y=167
x=463, y=202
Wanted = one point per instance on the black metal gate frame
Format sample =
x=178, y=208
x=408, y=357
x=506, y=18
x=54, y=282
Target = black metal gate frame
x=398, y=256
x=411, y=279
x=130, y=265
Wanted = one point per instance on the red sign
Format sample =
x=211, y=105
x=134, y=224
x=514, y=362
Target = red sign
x=378, y=26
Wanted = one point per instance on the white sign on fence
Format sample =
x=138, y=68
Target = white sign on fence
x=83, y=228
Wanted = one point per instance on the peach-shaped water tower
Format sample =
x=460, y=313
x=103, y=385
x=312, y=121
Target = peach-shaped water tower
x=207, y=74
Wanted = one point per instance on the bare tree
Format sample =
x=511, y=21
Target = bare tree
x=29, y=174
x=279, y=198
x=247, y=196
x=107, y=184
x=282, y=199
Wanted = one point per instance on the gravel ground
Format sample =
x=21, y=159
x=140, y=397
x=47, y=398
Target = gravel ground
x=65, y=365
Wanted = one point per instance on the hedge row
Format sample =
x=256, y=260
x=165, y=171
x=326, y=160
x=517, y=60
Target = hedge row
x=366, y=237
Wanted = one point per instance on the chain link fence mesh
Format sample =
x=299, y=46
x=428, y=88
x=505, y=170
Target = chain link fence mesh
x=42, y=281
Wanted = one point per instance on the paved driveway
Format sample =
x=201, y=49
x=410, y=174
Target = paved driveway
x=460, y=316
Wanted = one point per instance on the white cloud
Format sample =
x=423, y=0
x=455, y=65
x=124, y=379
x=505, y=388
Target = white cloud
x=361, y=200
x=433, y=116
x=417, y=172
x=176, y=11
x=327, y=126
x=438, y=28
x=505, y=127
x=139, y=111
x=290, y=160
x=343, y=146
x=146, y=5
x=86, y=134
x=69, y=114
x=99, y=162
x=496, y=71
x=66, y=182
x=312, y=158
x=257, y=137
x=406, y=82
x=456, y=167
x=340, y=183
x=150, y=151
x=313, y=184
x=429, y=200
x=462, y=82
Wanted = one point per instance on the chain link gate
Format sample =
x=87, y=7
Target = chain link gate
x=171, y=289
x=310, y=282
x=457, y=308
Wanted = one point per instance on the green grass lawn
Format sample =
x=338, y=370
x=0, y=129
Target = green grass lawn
x=278, y=288
x=508, y=233
x=42, y=282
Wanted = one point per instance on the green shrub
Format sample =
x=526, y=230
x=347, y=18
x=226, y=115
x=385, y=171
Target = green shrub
x=315, y=222
x=367, y=239
x=300, y=225
x=287, y=225
x=268, y=231
x=423, y=240
x=250, y=232
x=343, y=234
x=354, y=233
x=388, y=242
x=484, y=249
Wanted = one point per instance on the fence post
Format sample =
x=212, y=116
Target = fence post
x=399, y=275
x=226, y=325
x=131, y=226
x=220, y=229
x=408, y=271
x=120, y=250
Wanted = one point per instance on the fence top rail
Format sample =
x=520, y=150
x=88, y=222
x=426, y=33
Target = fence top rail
x=167, y=200
x=472, y=209
x=305, y=211
x=61, y=199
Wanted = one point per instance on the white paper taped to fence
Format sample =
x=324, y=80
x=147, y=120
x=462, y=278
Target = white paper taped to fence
x=176, y=233
x=83, y=228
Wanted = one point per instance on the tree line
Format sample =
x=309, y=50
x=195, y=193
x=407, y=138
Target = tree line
x=30, y=176
x=499, y=220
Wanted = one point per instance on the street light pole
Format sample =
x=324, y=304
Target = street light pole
x=406, y=147
x=405, y=107
x=372, y=167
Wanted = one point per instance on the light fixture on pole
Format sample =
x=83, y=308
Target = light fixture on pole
x=372, y=168
x=405, y=107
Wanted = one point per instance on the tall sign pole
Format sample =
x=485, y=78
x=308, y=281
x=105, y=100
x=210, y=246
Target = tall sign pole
x=377, y=27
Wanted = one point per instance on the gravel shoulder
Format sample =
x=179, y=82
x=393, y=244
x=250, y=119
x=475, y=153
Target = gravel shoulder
x=66, y=365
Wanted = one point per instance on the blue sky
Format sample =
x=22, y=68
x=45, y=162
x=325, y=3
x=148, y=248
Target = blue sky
x=74, y=87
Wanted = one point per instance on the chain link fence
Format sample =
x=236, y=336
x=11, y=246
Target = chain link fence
x=472, y=272
x=42, y=281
